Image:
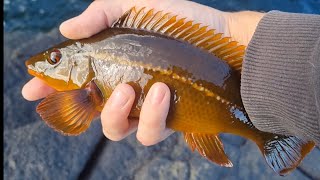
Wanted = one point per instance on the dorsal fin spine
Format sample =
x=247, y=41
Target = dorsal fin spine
x=188, y=31
x=231, y=51
x=146, y=17
x=206, y=42
x=150, y=20
x=167, y=24
x=214, y=49
x=158, y=21
x=234, y=61
x=195, y=34
x=234, y=56
x=227, y=45
x=174, y=26
x=238, y=66
x=135, y=17
x=214, y=44
x=186, y=25
x=204, y=36
x=142, y=19
x=128, y=16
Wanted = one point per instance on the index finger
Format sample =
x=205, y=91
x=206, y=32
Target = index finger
x=36, y=89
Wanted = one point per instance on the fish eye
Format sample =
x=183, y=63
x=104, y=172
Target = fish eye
x=54, y=57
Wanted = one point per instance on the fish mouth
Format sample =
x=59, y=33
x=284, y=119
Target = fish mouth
x=31, y=71
x=30, y=65
x=31, y=61
x=35, y=73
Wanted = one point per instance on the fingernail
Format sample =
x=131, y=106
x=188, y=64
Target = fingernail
x=157, y=95
x=119, y=99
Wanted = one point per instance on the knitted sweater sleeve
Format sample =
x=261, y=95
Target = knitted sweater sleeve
x=280, y=83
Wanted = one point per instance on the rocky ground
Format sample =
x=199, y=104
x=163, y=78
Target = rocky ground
x=34, y=151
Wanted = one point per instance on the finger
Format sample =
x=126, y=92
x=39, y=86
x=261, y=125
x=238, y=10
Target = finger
x=98, y=16
x=152, y=125
x=36, y=89
x=114, y=116
x=102, y=13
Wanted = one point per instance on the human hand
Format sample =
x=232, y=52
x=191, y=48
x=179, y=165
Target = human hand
x=100, y=15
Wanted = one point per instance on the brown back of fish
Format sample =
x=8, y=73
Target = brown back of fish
x=205, y=90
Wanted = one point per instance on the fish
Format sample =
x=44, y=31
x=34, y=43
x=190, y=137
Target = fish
x=202, y=69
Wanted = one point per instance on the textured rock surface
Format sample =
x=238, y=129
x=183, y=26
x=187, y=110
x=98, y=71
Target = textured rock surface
x=172, y=159
x=34, y=151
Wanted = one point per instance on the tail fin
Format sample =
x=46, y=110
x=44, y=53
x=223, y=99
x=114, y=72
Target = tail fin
x=284, y=153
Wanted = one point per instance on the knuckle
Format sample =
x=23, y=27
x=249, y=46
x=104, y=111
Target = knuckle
x=113, y=136
x=146, y=141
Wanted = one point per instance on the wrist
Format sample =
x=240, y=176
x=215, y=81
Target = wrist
x=242, y=25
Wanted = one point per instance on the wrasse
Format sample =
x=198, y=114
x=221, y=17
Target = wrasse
x=202, y=69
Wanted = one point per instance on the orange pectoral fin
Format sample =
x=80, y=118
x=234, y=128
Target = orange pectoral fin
x=71, y=112
x=209, y=146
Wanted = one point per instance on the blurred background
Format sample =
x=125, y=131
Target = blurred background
x=34, y=151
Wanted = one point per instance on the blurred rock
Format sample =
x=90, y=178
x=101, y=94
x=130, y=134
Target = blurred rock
x=128, y=159
x=310, y=165
x=35, y=151
x=18, y=48
x=172, y=159
x=162, y=168
x=232, y=139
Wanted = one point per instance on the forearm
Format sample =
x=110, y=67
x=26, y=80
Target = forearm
x=280, y=76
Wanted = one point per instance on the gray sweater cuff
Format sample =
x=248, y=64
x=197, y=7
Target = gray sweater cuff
x=280, y=83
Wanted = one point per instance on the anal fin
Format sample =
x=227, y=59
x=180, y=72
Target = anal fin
x=71, y=112
x=209, y=146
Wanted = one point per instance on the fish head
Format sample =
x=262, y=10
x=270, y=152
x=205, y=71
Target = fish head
x=66, y=66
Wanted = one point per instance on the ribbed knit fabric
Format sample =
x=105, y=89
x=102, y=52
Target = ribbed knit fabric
x=280, y=83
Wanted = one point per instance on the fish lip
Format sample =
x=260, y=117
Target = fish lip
x=27, y=63
x=30, y=64
x=35, y=73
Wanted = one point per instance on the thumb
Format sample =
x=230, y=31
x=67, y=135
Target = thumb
x=98, y=16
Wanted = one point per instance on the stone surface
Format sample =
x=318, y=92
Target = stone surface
x=310, y=165
x=172, y=159
x=34, y=151
x=18, y=48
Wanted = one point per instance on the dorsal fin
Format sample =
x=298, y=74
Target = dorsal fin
x=193, y=33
